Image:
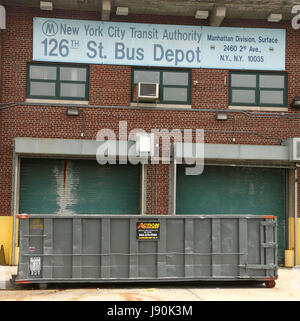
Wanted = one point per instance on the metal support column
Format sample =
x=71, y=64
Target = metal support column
x=296, y=217
x=15, y=207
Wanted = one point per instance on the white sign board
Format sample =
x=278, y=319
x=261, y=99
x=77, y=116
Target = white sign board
x=98, y=42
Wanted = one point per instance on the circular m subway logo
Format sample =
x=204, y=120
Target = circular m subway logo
x=50, y=28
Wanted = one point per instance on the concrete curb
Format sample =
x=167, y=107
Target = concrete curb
x=5, y=275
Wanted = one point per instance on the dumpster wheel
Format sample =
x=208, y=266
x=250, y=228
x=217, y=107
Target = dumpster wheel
x=43, y=286
x=270, y=284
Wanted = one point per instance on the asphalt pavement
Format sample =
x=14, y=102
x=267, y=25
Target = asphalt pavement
x=287, y=289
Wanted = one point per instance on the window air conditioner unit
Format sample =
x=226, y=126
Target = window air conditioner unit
x=294, y=149
x=148, y=91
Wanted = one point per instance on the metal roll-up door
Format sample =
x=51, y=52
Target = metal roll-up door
x=234, y=190
x=54, y=186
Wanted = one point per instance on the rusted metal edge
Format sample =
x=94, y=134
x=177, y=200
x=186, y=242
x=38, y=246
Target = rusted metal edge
x=22, y=282
x=271, y=278
x=22, y=216
x=272, y=217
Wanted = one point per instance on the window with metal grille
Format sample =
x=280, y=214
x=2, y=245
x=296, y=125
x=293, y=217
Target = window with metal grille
x=258, y=89
x=57, y=81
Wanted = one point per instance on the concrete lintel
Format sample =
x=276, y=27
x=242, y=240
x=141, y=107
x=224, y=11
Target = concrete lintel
x=48, y=146
x=105, y=10
x=245, y=152
x=88, y=148
x=217, y=16
x=2, y=17
x=79, y=148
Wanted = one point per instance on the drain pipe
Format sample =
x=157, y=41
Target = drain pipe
x=143, y=190
x=156, y=193
x=174, y=186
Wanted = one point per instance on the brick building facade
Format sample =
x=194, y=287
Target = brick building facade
x=109, y=101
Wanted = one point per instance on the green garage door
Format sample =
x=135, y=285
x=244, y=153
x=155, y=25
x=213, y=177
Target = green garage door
x=51, y=186
x=234, y=190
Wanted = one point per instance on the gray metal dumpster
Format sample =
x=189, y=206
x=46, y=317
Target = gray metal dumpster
x=131, y=248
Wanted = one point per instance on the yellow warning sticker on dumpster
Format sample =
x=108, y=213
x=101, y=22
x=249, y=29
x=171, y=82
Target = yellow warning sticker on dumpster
x=147, y=230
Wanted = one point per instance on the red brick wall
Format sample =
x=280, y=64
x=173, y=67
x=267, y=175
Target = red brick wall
x=157, y=189
x=111, y=86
